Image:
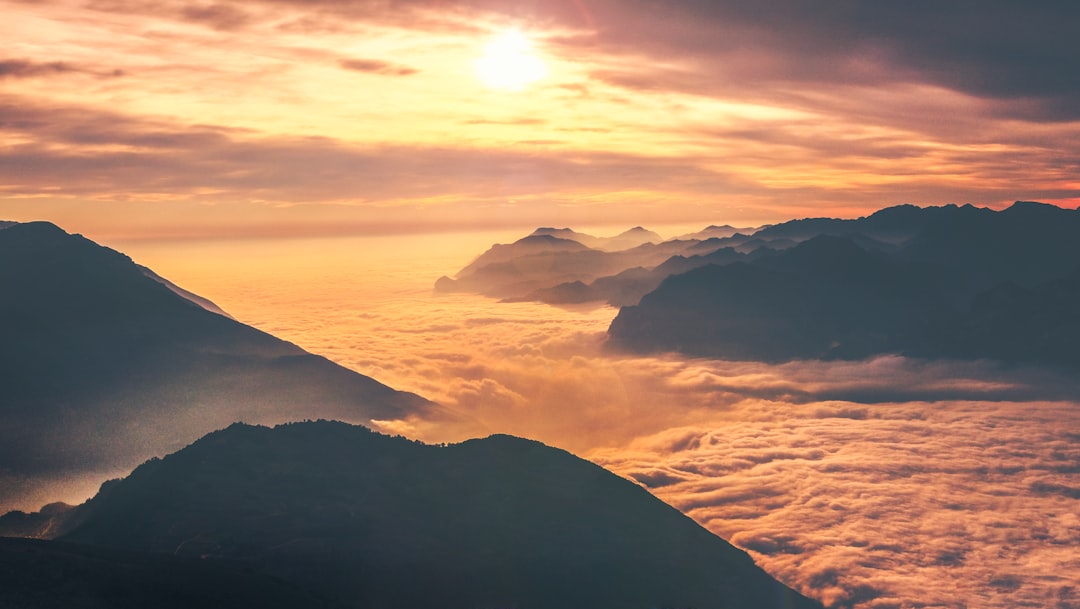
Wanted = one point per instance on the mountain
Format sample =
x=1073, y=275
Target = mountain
x=631, y=238
x=205, y=303
x=719, y=232
x=36, y=574
x=967, y=283
x=627, y=287
x=375, y=521
x=1026, y=244
x=825, y=298
x=625, y=240
x=540, y=261
x=893, y=224
x=104, y=366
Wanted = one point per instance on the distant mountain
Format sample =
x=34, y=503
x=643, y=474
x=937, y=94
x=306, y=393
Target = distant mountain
x=631, y=238
x=560, y=266
x=718, y=232
x=966, y=283
x=376, y=521
x=623, y=241
x=627, y=287
x=36, y=574
x=104, y=366
x=539, y=261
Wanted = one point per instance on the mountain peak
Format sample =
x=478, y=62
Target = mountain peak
x=381, y=521
x=1032, y=207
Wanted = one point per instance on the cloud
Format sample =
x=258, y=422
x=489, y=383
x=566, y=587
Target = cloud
x=220, y=16
x=1004, y=52
x=98, y=151
x=25, y=68
x=854, y=481
x=375, y=66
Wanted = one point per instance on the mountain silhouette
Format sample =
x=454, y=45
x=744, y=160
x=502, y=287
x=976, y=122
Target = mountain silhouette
x=824, y=298
x=625, y=240
x=376, y=521
x=966, y=283
x=627, y=287
x=719, y=232
x=105, y=366
x=542, y=261
x=37, y=574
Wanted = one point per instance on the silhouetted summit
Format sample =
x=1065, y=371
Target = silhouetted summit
x=377, y=521
x=105, y=366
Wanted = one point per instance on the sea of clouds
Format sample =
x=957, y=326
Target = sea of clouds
x=888, y=482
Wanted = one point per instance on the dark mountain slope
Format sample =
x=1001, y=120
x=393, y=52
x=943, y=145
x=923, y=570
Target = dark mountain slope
x=825, y=298
x=892, y=224
x=36, y=574
x=104, y=367
x=1027, y=244
x=968, y=283
x=377, y=521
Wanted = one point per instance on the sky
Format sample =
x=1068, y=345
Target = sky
x=271, y=118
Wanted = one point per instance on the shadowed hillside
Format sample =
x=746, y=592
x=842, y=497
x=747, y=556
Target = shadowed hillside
x=377, y=521
x=105, y=366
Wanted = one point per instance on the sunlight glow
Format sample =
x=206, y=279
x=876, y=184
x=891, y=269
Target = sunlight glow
x=509, y=62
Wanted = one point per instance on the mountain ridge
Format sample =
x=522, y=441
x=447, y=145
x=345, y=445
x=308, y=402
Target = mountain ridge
x=114, y=366
x=839, y=295
x=346, y=512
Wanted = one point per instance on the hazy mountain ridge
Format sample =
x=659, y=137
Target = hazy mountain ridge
x=105, y=367
x=379, y=521
x=625, y=240
x=968, y=283
x=514, y=271
x=561, y=266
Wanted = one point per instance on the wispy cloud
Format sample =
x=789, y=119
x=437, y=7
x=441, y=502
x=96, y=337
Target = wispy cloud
x=712, y=111
x=375, y=66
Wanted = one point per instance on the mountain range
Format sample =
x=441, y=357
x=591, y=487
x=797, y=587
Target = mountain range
x=105, y=365
x=958, y=283
x=955, y=282
x=372, y=521
x=106, y=362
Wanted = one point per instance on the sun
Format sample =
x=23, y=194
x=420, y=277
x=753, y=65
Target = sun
x=509, y=62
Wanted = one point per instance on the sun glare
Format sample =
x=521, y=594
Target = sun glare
x=510, y=63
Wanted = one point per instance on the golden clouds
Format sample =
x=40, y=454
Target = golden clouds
x=361, y=104
x=881, y=483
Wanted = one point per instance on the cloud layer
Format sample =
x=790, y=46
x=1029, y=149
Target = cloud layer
x=883, y=483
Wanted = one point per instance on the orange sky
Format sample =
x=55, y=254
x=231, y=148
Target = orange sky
x=280, y=117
